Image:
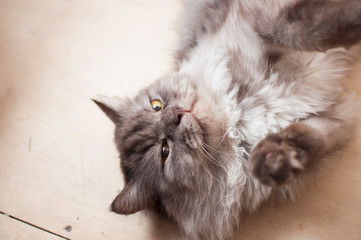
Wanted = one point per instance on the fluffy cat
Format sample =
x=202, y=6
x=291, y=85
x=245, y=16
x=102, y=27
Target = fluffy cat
x=252, y=106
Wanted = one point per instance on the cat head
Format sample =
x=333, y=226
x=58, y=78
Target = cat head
x=169, y=138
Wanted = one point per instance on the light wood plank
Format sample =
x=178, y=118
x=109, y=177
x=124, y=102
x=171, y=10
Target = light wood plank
x=58, y=164
x=11, y=229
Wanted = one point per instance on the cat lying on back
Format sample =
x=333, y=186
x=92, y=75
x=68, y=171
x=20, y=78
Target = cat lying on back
x=250, y=110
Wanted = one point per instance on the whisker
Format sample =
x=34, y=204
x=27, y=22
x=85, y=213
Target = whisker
x=205, y=145
x=210, y=172
x=214, y=149
x=210, y=157
x=214, y=160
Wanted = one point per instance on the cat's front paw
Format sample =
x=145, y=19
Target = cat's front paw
x=276, y=160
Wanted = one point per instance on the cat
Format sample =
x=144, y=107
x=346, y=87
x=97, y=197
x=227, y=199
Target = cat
x=252, y=106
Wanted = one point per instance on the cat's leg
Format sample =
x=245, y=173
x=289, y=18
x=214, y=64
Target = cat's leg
x=197, y=19
x=281, y=157
x=316, y=25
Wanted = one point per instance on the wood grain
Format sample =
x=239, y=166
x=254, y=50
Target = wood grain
x=11, y=229
x=58, y=164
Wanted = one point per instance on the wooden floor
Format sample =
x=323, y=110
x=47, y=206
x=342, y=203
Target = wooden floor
x=59, y=168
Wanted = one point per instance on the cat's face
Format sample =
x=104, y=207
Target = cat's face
x=169, y=138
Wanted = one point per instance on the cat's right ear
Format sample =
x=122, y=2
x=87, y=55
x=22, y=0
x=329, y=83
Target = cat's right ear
x=110, y=106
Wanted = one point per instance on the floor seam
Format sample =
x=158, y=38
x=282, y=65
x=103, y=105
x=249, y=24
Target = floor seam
x=33, y=225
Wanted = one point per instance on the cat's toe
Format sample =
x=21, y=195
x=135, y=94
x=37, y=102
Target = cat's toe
x=274, y=162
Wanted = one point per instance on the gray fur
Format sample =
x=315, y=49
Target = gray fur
x=244, y=86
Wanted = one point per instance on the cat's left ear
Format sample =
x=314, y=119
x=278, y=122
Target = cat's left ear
x=131, y=199
x=111, y=106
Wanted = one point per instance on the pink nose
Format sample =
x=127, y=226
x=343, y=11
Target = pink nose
x=179, y=112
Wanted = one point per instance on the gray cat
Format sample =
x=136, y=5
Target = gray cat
x=252, y=106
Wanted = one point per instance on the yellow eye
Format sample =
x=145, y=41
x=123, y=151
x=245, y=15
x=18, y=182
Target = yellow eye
x=156, y=105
